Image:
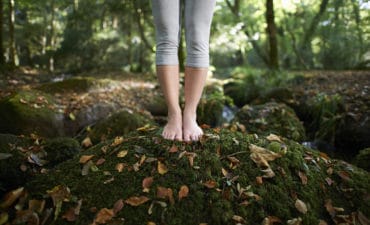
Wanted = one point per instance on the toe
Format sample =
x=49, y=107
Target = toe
x=187, y=137
x=194, y=137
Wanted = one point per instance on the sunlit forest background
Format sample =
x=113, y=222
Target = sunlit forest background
x=79, y=35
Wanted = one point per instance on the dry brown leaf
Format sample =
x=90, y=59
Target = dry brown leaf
x=70, y=215
x=274, y=137
x=329, y=208
x=268, y=173
x=85, y=158
x=86, y=142
x=271, y=220
x=120, y=167
x=303, y=177
x=183, y=192
x=100, y=161
x=362, y=218
x=173, y=149
x=259, y=180
x=191, y=156
x=210, y=184
x=36, y=205
x=117, y=141
x=86, y=168
x=136, y=201
x=118, y=206
x=322, y=222
x=122, y=153
x=104, y=215
x=300, y=206
x=146, y=183
x=162, y=192
x=150, y=223
x=170, y=196
x=344, y=175
x=295, y=221
x=11, y=197
x=162, y=168
x=262, y=156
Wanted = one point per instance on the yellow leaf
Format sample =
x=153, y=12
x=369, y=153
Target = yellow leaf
x=136, y=201
x=11, y=197
x=162, y=168
x=122, y=154
x=85, y=158
x=117, y=141
x=120, y=167
x=273, y=137
x=210, y=184
x=86, y=142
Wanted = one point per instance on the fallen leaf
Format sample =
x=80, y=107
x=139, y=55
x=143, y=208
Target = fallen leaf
x=136, y=201
x=300, y=206
x=86, y=142
x=238, y=219
x=4, y=217
x=173, y=149
x=70, y=215
x=271, y=220
x=11, y=197
x=268, y=173
x=36, y=205
x=303, y=177
x=191, y=156
x=162, y=192
x=120, y=167
x=322, y=222
x=146, y=183
x=59, y=194
x=85, y=158
x=104, y=215
x=363, y=219
x=274, y=137
x=118, y=206
x=329, y=208
x=295, y=221
x=122, y=154
x=329, y=181
x=259, y=180
x=344, y=175
x=28, y=217
x=183, y=192
x=117, y=141
x=210, y=184
x=86, y=168
x=100, y=161
x=262, y=156
x=162, y=168
x=150, y=223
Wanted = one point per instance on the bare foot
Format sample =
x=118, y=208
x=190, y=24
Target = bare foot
x=173, y=129
x=191, y=130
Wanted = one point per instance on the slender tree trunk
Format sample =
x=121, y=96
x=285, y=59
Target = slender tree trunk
x=356, y=11
x=51, y=39
x=271, y=32
x=2, y=58
x=12, y=50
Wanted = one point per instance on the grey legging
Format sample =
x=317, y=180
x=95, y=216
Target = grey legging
x=167, y=21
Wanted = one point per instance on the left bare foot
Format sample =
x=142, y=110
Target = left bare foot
x=191, y=130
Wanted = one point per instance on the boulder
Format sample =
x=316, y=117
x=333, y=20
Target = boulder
x=28, y=112
x=119, y=123
x=226, y=178
x=60, y=149
x=271, y=117
x=362, y=159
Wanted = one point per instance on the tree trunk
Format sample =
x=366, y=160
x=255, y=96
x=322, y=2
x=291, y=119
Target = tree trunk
x=12, y=50
x=2, y=58
x=271, y=33
x=51, y=38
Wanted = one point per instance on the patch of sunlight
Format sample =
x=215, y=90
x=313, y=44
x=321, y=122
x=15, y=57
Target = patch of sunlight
x=105, y=35
x=316, y=45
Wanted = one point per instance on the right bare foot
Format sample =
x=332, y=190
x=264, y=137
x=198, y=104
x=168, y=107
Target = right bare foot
x=173, y=129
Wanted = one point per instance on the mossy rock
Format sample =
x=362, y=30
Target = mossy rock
x=11, y=175
x=60, y=149
x=156, y=105
x=211, y=105
x=277, y=94
x=362, y=159
x=75, y=84
x=271, y=117
x=242, y=92
x=119, y=123
x=28, y=112
x=222, y=182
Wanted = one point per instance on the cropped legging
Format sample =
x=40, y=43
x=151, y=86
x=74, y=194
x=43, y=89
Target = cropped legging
x=167, y=21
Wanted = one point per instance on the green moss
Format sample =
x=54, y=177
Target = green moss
x=119, y=123
x=60, y=149
x=29, y=111
x=362, y=159
x=205, y=205
x=271, y=118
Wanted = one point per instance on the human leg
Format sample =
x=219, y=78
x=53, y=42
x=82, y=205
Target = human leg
x=198, y=18
x=166, y=15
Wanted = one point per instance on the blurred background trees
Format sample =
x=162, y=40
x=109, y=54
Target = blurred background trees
x=82, y=35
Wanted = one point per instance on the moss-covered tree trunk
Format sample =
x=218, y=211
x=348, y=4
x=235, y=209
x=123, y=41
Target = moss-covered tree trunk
x=12, y=50
x=2, y=59
x=271, y=32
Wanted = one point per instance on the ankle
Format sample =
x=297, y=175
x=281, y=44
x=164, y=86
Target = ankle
x=175, y=112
